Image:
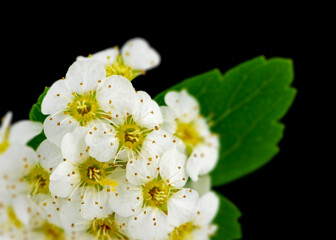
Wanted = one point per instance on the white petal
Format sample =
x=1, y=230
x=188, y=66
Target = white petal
x=83, y=75
x=139, y=55
x=182, y=206
x=142, y=170
x=3, y=213
x=148, y=112
x=150, y=224
x=17, y=161
x=102, y=142
x=211, y=152
x=5, y=123
x=51, y=207
x=159, y=141
x=74, y=146
x=57, y=125
x=95, y=204
x=208, y=208
x=63, y=181
x=122, y=222
x=22, y=205
x=202, y=186
x=106, y=56
x=57, y=98
x=202, y=127
x=203, y=233
x=117, y=95
x=202, y=160
x=23, y=131
x=172, y=167
x=12, y=186
x=123, y=155
x=185, y=106
x=169, y=124
x=71, y=218
x=127, y=200
x=49, y=155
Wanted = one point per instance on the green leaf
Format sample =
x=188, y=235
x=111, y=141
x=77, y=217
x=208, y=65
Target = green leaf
x=37, y=140
x=35, y=113
x=243, y=106
x=227, y=221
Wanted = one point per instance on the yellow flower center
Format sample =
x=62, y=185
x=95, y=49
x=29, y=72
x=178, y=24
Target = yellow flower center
x=38, y=179
x=95, y=173
x=156, y=194
x=183, y=232
x=118, y=67
x=188, y=133
x=51, y=232
x=131, y=136
x=105, y=229
x=85, y=108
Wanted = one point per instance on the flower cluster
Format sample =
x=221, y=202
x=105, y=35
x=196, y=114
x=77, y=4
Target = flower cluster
x=114, y=164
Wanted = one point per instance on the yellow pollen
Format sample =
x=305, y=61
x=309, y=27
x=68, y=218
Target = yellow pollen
x=85, y=108
x=118, y=67
x=156, y=194
x=131, y=135
x=38, y=179
x=95, y=173
x=183, y=232
x=105, y=229
x=188, y=133
x=51, y=231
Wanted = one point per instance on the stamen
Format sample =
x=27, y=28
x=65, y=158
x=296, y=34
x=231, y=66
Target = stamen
x=105, y=228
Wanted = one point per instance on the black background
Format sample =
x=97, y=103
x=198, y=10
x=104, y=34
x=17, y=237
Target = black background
x=37, y=50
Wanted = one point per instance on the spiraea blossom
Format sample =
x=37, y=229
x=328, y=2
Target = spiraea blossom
x=83, y=99
x=104, y=227
x=25, y=220
x=114, y=164
x=152, y=193
x=80, y=176
x=15, y=158
x=133, y=126
x=182, y=118
x=24, y=183
x=17, y=135
x=29, y=175
x=136, y=57
x=199, y=227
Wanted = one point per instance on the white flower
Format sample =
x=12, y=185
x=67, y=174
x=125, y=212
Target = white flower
x=199, y=227
x=153, y=194
x=83, y=98
x=110, y=226
x=26, y=172
x=17, y=134
x=135, y=58
x=24, y=187
x=133, y=129
x=16, y=160
x=182, y=118
x=81, y=177
x=15, y=214
x=24, y=219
